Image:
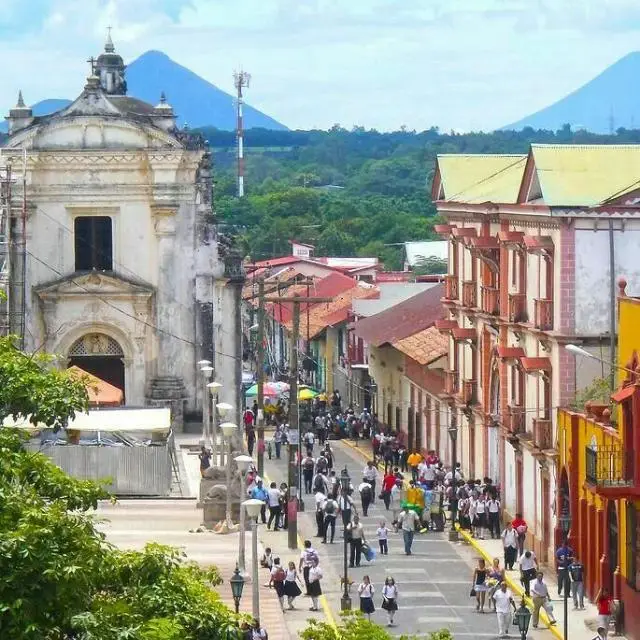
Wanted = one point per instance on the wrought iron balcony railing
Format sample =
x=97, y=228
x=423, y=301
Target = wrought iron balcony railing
x=609, y=466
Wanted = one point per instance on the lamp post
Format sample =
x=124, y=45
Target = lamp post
x=207, y=372
x=243, y=462
x=237, y=585
x=453, y=434
x=223, y=408
x=214, y=387
x=345, y=601
x=228, y=429
x=253, y=508
x=521, y=618
x=564, y=519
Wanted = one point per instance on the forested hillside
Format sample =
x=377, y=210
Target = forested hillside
x=379, y=193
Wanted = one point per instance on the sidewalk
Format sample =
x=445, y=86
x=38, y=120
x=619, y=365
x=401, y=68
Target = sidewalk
x=580, y=622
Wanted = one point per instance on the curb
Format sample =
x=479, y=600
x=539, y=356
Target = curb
x=355, y=447
x=326, y=609
x=515, y=588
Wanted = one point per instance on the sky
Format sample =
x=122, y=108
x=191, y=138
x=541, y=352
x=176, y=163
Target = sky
x=455, y=64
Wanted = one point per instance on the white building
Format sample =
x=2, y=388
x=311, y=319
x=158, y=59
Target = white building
x=122, y=272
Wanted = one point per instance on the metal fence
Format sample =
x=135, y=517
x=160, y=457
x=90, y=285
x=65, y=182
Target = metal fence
x=141, y=471
x=609, y=466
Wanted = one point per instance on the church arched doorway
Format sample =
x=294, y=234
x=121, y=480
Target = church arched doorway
x=100, y=355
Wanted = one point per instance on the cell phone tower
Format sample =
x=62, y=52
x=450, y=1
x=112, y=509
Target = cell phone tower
x=241, y=79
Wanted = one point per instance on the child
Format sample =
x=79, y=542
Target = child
x=267, y=559
x=366, y=591
x=383, y=535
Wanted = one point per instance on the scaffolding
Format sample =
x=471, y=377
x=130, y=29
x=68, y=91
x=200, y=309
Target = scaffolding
x=13, y=254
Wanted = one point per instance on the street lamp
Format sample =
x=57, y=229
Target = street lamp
x=228, y=429
x=253, y=508
x=521, y=618
x=564, y=520
x=243, y=462
x=453, y=503
x=237, y=585
x=345, y=483
x=214, y=387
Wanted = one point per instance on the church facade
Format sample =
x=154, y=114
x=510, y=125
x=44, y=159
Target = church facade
x=122, y=275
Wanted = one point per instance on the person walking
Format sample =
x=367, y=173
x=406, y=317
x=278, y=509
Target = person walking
x=366, y=496
x=320, y=499
x=388, y=482
x=330, y=513
x=541, y=598
x=315, y=588
x=496, y=578
x=520, y=525
x=493, y=514
x=480, y=519
x=408, y=519
x=291, y=588
x=273, y=499
x=604, y=603
x=480, y=588
x=260, y=493
x=345, y=505
x=308, y=465
x=528, y=570
x=277, y=440
x=355, y=531
x=366, y=591
x=413, y=460
x=576, y=573
x=308, y=555
x=370, y=475
x=278, y=575
x=205, y=459
x=383, y=536
x=564, y=557
x=503, y=601
x=510, y=546
x=390, y=599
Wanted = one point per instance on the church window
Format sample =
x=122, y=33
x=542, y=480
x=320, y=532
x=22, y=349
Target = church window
x=93, y=243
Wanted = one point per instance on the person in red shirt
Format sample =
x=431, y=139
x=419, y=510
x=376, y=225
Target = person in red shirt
x=520, y=525
x=432, y=458
x=388, y=482
x=604, y=602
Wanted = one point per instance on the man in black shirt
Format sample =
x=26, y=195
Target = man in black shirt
x=576, y=571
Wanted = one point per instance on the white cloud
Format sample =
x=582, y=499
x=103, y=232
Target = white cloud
x=453, y=63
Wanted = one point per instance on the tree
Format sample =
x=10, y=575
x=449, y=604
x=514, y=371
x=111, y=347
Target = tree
x=61, y=580
x=354, y=627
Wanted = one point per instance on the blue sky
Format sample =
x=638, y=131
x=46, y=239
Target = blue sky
x=456, y=64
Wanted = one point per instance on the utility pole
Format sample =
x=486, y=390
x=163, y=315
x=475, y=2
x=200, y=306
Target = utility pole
x=260, y=372
x=294, y=421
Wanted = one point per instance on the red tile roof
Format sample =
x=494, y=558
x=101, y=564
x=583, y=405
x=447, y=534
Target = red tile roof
x=404, y=319
x=425, y=346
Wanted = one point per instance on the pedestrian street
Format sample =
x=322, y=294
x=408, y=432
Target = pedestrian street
x=433, y=583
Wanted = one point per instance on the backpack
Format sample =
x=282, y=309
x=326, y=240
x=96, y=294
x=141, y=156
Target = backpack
x=280, y=575
x=322, y=465
x=330, y=507
x=309, y=463
x=318, y=485
x=366, y=491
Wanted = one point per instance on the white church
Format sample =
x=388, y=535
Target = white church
x=122, y=272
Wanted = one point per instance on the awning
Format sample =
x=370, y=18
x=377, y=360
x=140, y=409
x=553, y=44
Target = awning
x=446, y=325
x=464, y=334
x=99, y=391
x=443, y=229
x=538, y=244
x=623, y=394
x=108, y=420
x=484, y=242
x=464, y=232
x=510, y=353
x=511, y=237
x=531, y=365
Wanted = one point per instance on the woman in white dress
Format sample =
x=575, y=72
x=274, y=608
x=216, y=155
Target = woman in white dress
x=390, y=599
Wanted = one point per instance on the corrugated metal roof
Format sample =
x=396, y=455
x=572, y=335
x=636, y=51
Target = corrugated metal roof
x=478, y=178
x=585, y=174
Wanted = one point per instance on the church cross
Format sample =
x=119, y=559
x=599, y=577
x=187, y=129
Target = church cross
x=92, y=62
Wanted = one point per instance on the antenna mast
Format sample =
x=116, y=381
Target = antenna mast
x=241, y=80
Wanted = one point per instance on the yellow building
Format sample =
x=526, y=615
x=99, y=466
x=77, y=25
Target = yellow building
x=599, y=478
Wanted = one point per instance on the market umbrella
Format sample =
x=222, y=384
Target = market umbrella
x=270, y=389
x=307, y=394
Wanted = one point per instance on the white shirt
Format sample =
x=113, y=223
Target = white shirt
x=408, y=520
x=291, y=575
x=480, y=506
x=383, y=533
x=320, y=499
x=494, y=506
x=503, y=600
x=366, y=590
x=539, y=588
x=370, y=473
x=429, y=474
x=274, y=497
x=357, y=531
x=307, y=556
x=390, y=591
x=345, y=503
x=510, y=538
x=363, y=486
x=527, y=563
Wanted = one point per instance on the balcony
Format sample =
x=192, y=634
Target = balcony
x=469, y=294
x=543, y=434
x=517, y=307
x=451, y=287
x=543, y=314
x=516, y=419
x=451, y=382
x=468, y=395
x=609, y=468
x=490, y=303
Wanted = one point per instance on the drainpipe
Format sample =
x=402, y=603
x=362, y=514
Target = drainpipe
x=612, y=307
